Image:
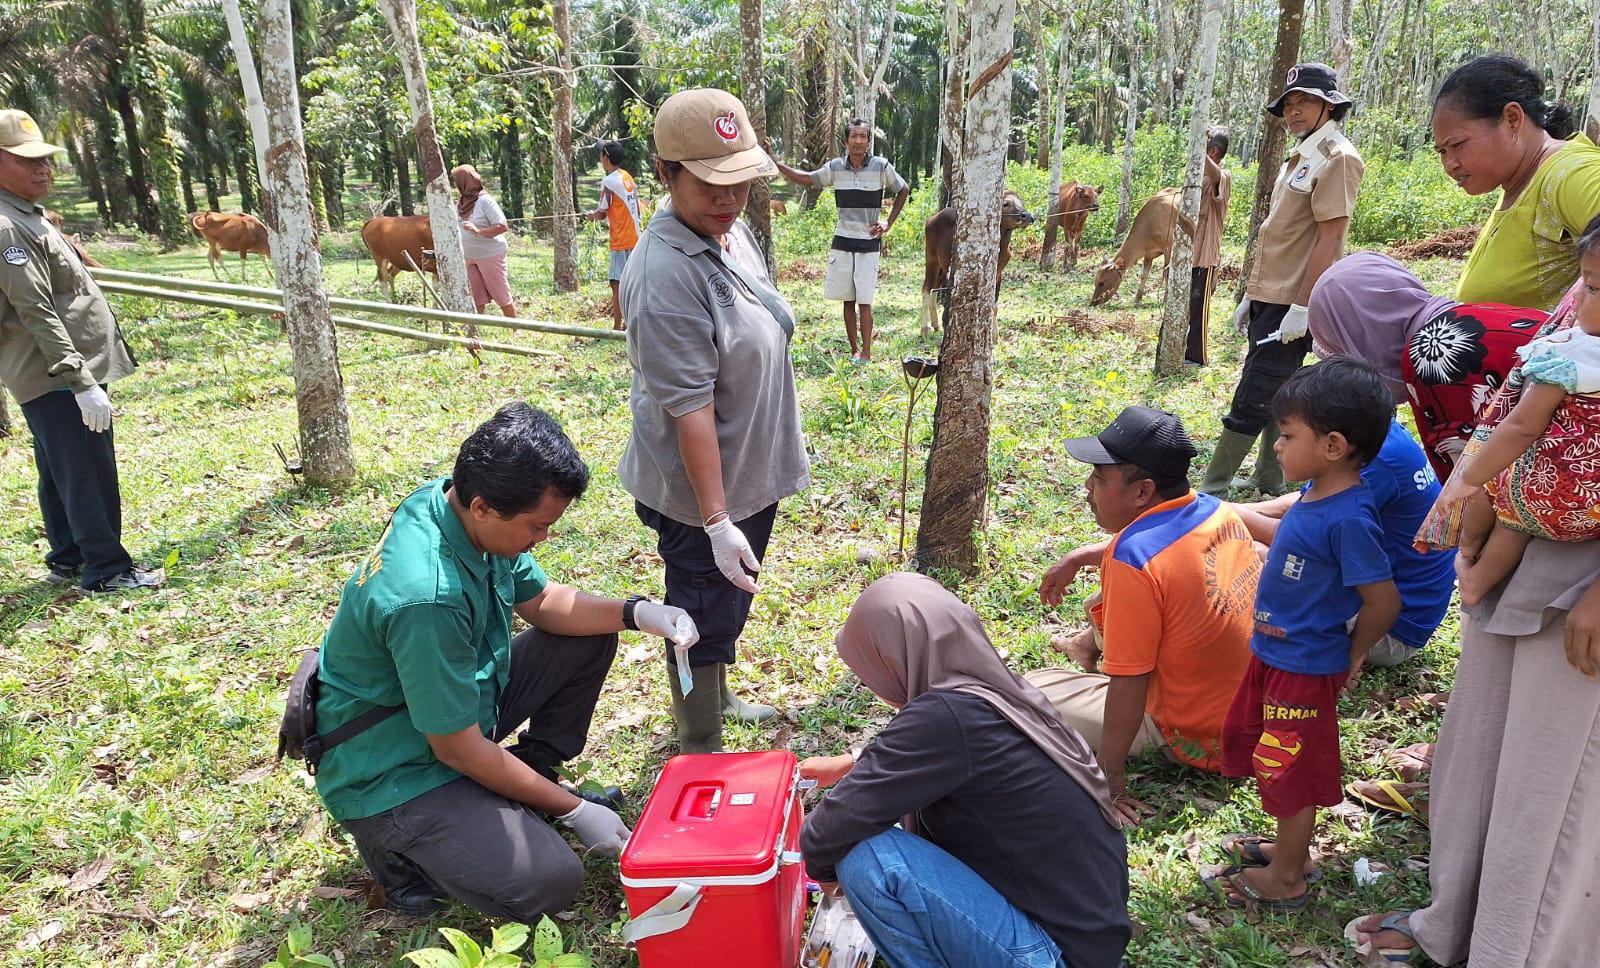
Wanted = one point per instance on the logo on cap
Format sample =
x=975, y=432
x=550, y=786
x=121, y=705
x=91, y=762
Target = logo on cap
x=727, y=128
x=29, y=127
x=1294, y=75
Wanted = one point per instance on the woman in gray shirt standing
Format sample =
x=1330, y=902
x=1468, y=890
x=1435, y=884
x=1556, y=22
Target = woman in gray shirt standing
x=716, y=437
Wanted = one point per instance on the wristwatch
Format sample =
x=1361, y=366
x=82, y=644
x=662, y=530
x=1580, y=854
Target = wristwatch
x=627, y=612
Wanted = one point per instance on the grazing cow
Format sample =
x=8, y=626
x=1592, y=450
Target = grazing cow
x=231, y=232
x=1070, y=214
x=777, y=207
x=390, y=237
x=1149, y=236
x=54, y=218
x=938, y=247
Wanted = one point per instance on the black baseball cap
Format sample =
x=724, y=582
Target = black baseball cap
x=1143, y=436
x=1317, y=80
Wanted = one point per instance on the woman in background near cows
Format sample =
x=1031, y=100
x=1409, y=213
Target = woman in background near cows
x=716, y=440
x=1445, y=357
x=1493, y=129
x=1304, y=234
x=483, y=229
x=1011, y=852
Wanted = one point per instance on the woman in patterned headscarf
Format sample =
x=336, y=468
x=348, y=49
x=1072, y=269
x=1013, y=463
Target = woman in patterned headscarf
x=1444, y=357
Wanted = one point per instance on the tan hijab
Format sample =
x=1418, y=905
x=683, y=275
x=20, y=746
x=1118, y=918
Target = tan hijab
x=907, y=635
x=469, y=185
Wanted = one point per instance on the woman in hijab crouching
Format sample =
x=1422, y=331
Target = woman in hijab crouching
x=1011, y=851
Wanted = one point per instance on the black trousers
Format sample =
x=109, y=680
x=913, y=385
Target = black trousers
x=1265, y=369
x=493, y=854
x=1199, y=305
x=78, y=491
x=696, y=585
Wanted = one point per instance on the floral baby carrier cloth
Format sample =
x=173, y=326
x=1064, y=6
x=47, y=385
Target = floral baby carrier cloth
x=1553, y=490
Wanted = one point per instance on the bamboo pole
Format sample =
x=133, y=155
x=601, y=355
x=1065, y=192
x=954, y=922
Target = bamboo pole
x=357, y=305
x=346, y=322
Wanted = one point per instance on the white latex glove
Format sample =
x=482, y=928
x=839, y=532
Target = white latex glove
x=668, y=621
x=1295, y=324
x=600, y=829
x=1241, y=317
x=733, y=554
x=96, y=407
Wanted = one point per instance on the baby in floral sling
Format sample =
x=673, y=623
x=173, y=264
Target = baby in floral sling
x=1537, y=450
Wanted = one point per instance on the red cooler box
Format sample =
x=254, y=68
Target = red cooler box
x=712, y=872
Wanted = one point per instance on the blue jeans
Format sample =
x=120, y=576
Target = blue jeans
x=922, y=907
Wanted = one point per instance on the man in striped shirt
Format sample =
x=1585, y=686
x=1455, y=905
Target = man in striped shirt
x=859, y=180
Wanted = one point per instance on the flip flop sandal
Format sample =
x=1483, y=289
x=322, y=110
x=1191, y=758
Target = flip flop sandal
x=1272, y=905
x=1398, y=956
x=1244, y=849
x=1398, y=800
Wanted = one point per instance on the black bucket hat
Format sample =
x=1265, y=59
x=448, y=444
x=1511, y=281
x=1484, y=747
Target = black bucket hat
x=1317, y=80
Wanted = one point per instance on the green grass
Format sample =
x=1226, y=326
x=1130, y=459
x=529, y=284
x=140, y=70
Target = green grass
x=142, y=729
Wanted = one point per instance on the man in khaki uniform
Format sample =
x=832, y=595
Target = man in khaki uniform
x=1215, y=190
x=1303, y=234
x=59, y=347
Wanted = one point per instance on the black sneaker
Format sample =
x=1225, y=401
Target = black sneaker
x=63, y=576
x=414, y=899
x=133, y=579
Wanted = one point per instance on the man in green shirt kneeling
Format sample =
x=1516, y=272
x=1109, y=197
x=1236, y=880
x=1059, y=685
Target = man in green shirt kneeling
x=436, y=806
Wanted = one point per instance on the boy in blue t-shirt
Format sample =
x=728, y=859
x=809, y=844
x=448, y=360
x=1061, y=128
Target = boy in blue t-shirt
x=1325, y=597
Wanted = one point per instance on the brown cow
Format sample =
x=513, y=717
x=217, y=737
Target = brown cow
x=231, y=232
x=1071, y=212
x=777, y=207
x=390, y=237
x=938, y=248
x=1149, y=236
x=54, y=218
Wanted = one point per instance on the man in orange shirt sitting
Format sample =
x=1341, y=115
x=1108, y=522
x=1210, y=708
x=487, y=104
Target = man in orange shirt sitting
x=1177, y=593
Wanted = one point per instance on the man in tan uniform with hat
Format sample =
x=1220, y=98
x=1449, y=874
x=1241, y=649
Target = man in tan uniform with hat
x=59, y=348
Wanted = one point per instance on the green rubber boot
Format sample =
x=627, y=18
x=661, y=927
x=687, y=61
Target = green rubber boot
x=1232, y=447
x=737, y=709
x=1267, y=479
x=698, y=715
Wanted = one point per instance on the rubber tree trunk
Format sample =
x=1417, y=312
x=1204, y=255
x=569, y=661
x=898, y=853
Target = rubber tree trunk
x=753, y=87
x=1591, y=118
x=402, y=18
x=868, y=67
x=1180, y=258
x=1269, y=157
x=564, y=227
x=1047, y=256
x=255, y=108
x=1041, y=69
x=324, y=417
x=951, y=105
x=1339, y=49
x=1130, y=122
x=956, y=495
x=148, y=89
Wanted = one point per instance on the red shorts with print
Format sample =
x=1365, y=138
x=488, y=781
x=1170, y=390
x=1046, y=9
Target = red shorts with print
x=1283, y=729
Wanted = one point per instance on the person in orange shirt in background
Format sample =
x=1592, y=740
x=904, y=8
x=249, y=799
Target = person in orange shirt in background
x=619, y=204
x=1177, y=592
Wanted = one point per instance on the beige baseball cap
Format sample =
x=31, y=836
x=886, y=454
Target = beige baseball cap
x=20, y=135
x=710, y=133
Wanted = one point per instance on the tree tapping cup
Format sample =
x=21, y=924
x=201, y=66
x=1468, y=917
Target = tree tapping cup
x=916, y=370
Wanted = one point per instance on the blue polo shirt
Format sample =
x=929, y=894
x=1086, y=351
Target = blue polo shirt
x=1404, y=488
x=1323, y=549
x=425, y=621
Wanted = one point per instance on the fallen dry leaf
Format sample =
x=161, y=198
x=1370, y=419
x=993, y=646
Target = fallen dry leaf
x=90, y=875
x=253, y=775
x=1199, y=923
x=245, y=903
x=40, y=936
x=328, y=893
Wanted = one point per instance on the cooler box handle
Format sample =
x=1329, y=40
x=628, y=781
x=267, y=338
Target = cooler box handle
x=665, y=916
